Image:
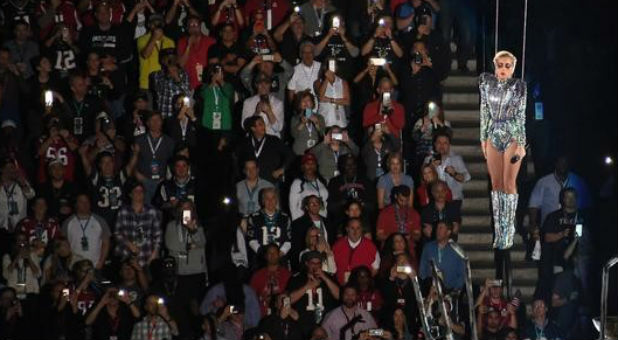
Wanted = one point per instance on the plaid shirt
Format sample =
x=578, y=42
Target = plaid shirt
x=143, y=229
x=167, y=88
x=151, y=329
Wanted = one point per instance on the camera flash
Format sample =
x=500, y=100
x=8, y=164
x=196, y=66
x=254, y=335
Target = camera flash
x=381, y=22
x=297, y=9
x=49, y=98
x=609, y=160
x=186, y=100
x=227, y=201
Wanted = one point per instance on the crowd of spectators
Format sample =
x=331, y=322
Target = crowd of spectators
x=259, y=169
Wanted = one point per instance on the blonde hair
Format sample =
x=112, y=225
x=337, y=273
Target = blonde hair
x=505, y=54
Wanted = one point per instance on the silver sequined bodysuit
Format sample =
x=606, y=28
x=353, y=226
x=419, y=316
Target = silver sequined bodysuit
x=503, y=111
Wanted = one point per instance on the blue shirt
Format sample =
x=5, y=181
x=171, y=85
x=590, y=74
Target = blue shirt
x=550, y=331
x=447, y=261
x=546, y=193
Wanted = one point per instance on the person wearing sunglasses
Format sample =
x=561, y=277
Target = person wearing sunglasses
x=503, y=141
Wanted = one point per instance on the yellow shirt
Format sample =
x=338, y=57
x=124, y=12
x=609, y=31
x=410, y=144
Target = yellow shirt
x=150, y=64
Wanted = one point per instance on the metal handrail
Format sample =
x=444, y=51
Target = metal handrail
x=604, y=293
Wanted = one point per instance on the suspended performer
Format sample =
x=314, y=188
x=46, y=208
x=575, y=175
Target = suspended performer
x=503, y=140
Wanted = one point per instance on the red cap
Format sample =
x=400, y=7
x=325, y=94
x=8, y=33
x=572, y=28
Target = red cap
x=308, y=157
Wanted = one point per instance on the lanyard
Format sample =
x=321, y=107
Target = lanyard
x=9, y=193
x=155, y=148
x=316, y=185
x=401, y=222
x=184, y=124
x=84, y=226
x=151, y=328
x=439, y=254
x=336, y=155
x=215, y=89
x=251, y=192
x=309, y=126
x=79, y=109
x=259, y=150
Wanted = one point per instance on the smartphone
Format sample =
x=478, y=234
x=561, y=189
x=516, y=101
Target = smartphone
x=579, y=229
x=49, y=98
x=233, y=309
x=376, y=332
x=186, y=216
x=377, y=61
x=377, y=127
x=432, y=109
x=65, y=292
x=337, y=136
x=404, y=269
x=121, y=293
x=286, y=301
x=332, y=65
x=336, y=22
x=186, y=101
x=386, y=98
x=381, y=22
x=418, y=58
x=296, y=9
x=268, y=57
x=160, y=301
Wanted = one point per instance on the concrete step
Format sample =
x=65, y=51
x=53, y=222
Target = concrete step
x=480, y=256
x=477, y=169
x=468, y=150
x=461, y=98
x=471, y=64
x=456, y=116
x=521, y=273
x=470, y=222
x=461, y=106
x=470, y=238
x=461, y=81
x=466, y=135
x=475, y=187
x=475, y=206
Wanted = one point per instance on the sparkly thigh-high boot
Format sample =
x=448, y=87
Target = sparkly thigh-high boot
x=509, y=206
x=496, y=205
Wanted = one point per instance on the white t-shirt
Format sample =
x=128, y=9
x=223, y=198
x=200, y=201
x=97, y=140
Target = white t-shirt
x=297, y=194
x=94, y=229
x=304, y=76
x=248, y=110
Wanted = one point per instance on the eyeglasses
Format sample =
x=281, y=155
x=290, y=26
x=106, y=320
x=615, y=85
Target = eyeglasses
x=504, y=65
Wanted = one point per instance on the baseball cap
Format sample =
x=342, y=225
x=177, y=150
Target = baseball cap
x=308, y=157
x=155, y=18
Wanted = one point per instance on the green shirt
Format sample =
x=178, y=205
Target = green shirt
x=217, y=114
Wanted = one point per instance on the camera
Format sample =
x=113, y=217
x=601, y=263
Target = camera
x=376, y=332
x=437, y=157
x=186, y=216
x=418, y=58
x=332, y=65
x=377, y=61
x=336, y=22
x=579, y=229
x=49, y=98
x=404, y=269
